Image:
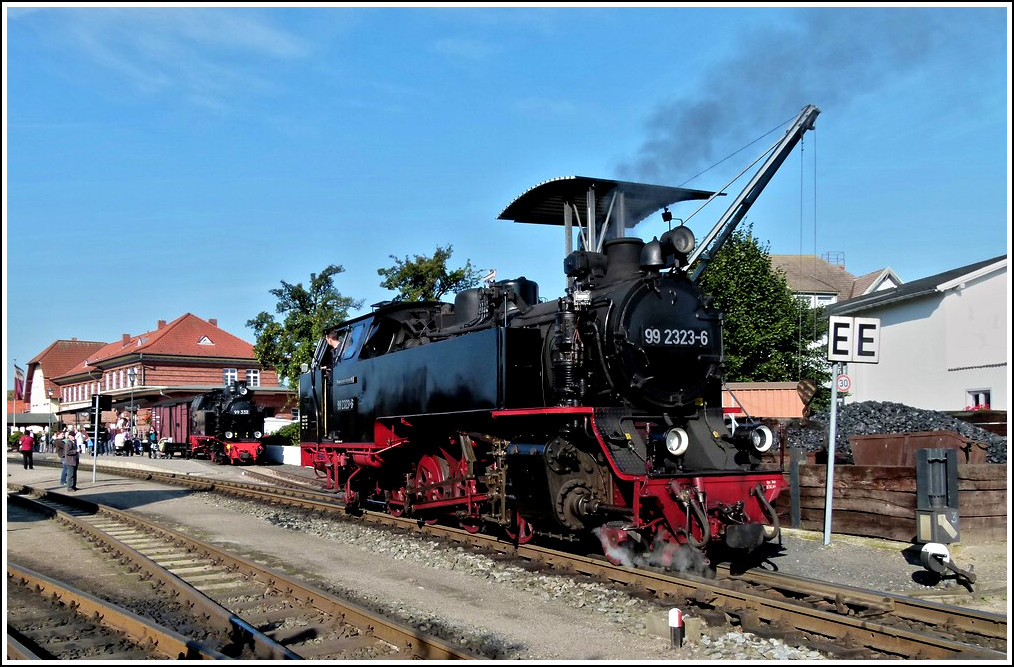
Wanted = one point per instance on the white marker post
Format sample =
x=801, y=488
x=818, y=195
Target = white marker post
x=849, y=340
x=676, y=631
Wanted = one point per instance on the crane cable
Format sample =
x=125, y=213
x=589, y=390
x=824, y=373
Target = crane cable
x=812, y=307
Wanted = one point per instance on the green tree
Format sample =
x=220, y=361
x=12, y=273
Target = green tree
x=305, y=313
x=769, y=334
x=427, y=278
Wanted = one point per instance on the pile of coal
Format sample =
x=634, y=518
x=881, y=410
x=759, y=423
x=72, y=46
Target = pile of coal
x=881, y=417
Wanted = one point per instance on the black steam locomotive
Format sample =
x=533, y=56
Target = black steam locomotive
x=226, y=425
x=596, y=413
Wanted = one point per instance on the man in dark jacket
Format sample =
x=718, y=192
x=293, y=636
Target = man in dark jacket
x=70, y=460
x=63, y=446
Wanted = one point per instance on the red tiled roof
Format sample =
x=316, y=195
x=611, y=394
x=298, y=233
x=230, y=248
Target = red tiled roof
x=186, y=336
x=17, y=407
x=60, y=357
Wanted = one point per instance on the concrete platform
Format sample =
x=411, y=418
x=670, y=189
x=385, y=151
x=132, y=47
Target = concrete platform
x=177, y=465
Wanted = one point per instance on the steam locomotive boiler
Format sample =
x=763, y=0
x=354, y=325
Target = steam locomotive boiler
x=595, y=413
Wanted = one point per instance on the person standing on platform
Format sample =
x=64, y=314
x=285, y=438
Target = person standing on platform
x=70, y=461
x=63, y=445
x=27, y=447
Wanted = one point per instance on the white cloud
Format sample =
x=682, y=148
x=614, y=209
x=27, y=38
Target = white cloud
x=206, y=55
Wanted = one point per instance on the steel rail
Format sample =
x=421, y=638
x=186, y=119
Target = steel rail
x=793, y=605
x=410, y=642
x=141, y=631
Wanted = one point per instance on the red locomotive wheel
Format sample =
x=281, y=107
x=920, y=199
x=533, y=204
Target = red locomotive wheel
x=519, y=530
x=431, y=471
x=396, y=502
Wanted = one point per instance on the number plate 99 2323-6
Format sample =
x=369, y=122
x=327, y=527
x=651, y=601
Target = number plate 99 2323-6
x=680, y=337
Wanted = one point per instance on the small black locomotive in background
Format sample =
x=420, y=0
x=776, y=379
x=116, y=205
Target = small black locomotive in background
x=224, y=425
x=595, y=413
x=227, y=426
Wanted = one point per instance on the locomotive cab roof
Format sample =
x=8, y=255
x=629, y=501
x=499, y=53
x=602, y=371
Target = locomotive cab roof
x=600, y=209
x=546, y=203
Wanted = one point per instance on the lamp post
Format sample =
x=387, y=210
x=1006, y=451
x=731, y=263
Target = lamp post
x=49, y=436
x=132, y=375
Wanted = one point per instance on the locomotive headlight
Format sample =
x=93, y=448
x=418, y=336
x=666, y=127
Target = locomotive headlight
x=683, y=241
x=761, y=438
x=229, y=434
x=678, y=243
x=257, y=434
x=677, y=441
x=758, y=435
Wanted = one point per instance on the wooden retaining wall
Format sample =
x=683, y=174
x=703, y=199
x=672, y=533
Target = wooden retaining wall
x=880, y=501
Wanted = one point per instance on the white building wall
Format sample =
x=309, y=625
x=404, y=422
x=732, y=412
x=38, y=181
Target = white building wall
x=935, y=349
x=38, y=401
x=977, y=315
x=910, y=337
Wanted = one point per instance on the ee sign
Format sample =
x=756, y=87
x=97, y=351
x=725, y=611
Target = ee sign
x=853, y=339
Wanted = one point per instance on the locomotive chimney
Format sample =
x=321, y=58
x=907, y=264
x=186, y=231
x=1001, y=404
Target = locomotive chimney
x=623, y=257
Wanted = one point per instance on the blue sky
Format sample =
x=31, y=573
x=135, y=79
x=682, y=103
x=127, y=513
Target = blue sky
x=165, y=160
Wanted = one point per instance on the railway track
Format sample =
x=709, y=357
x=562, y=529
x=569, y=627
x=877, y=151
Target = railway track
x=247, y=611
x=843, y=621
x=48, y=619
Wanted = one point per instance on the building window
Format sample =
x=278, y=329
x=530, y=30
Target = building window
x=229, y=376
x=977, y=399
x=253, y=377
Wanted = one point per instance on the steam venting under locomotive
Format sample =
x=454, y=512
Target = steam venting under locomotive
x=598, y=413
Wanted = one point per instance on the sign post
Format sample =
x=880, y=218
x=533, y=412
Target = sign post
x=100, y=402
x=849, y=340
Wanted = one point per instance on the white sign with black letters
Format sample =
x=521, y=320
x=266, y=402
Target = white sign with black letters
x=853, y=339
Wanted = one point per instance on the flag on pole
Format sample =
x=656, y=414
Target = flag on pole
x=19, y=384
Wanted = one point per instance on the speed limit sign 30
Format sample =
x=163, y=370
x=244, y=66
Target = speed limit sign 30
x=844, y=382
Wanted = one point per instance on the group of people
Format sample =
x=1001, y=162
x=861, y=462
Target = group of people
x=68, y=449
x=130, y=445
x=70, y=444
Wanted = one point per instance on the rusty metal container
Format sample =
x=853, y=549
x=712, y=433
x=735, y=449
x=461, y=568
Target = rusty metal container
x=898, y=449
